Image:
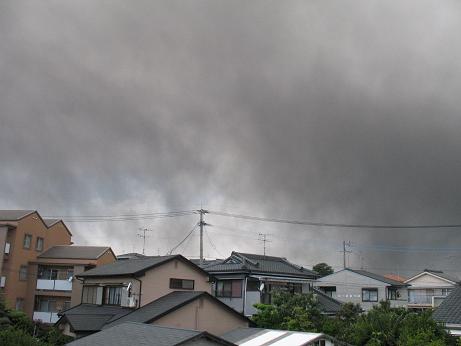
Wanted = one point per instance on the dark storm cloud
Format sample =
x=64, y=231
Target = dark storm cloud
x=337, y=111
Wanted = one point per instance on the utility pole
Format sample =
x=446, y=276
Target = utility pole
x=143, y=236
x=345, y=251
x=201, y=224
x=263, y=237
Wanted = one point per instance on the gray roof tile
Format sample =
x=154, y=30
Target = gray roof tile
x=132, y=266
x=244, y=262
x=377, y=277
x=449, y=311
x=327, y=304
x=144, y=334
x=89, y=317
x=75, y=252
x=51, y=222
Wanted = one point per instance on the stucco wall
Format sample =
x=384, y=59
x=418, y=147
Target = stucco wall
x=203, y=314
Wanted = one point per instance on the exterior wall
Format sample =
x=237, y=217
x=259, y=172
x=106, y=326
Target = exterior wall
x=205, y=315
x=429, y=281
x=19, y=256
x=156, y=282
x=349, y=288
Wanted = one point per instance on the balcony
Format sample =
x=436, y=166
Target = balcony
x=420, y=299
x=46, y=317
x=54, y=285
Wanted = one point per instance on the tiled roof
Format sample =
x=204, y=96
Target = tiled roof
x=243, y=262
x=133, y=266
x=146, y=334
x=377, y=277
x=89, y=317
x=395, y=277
x=442, y=275
x=75, y=252
x=131, y=255
x=166, y=304
x=14, y=215
x=449, y=311
x=327, y=304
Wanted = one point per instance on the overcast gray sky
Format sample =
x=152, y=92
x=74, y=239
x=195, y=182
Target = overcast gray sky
x=333, y=111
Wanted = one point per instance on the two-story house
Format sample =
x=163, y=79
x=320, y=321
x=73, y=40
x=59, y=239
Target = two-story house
x=243, y=280
x=429, y=288
x=52, y=278
x=363, y=287
x=161, y=290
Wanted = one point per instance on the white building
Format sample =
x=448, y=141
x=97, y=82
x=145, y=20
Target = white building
x=363, y=287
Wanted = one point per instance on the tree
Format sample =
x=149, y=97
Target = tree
x=323, y=269
x=291, y=312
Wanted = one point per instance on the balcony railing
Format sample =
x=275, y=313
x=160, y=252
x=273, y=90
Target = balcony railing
x=421, y=299
x=54, y=285
x=45, y=317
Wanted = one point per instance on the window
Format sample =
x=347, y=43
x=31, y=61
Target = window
x=112, y=295
x=229, y=289
x=369, y=294
x=329, y=290
x=182, y=284
x=46, y=304
x=89, y=294
x=27, y=241
x=39, y=244
x=446, y=291
x=392, y=294
x=19, y=303
x=23, y=273
x=253, y=285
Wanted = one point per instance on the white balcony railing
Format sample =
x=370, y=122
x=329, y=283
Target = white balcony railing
x=45, y=317
x=54, y=285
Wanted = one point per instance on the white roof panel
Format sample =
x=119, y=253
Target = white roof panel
x=296, y=339
x=264, y=338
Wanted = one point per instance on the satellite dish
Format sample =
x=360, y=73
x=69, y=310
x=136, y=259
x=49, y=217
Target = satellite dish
x=129, y=286
x=70, y=278
x=261, y=287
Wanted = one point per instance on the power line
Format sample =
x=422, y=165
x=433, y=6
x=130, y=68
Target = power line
x=182, y=241
x=327, y=224
x=213, y=245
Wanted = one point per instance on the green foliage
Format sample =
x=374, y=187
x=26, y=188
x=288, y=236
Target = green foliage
x=16, y=329
x=382, y=325
x=322, y=269
x=17, y=337
x=291, y=312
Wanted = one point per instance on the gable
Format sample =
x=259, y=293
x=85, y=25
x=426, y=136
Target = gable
x=346, y=277
x=204, y=314
x=429, y=280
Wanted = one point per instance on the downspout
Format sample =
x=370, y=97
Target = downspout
x=245, y=294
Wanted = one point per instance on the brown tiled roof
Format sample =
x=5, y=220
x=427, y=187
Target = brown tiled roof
x=14, y=215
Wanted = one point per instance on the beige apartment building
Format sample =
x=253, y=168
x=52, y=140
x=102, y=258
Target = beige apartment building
x=38, y=264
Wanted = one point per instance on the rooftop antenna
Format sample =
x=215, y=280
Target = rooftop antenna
x=263, y=237
x=143, y=236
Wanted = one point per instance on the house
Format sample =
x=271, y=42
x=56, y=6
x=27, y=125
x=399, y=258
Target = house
x=429, y=287
x=267, y=337
x=363, y=287
x=24, y=235
x=243, y=279
x=131, y=333
x=449, y=312
x=51, y=280
x=162, y=290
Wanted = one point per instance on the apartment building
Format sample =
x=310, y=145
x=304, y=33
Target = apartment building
x=24, y=235
x=38, y=264
x=52, y=278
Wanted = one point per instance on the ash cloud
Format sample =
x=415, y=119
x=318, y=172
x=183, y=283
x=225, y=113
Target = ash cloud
x=338, y=112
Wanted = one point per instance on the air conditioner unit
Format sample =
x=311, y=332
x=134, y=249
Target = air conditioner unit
x=2, y=281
